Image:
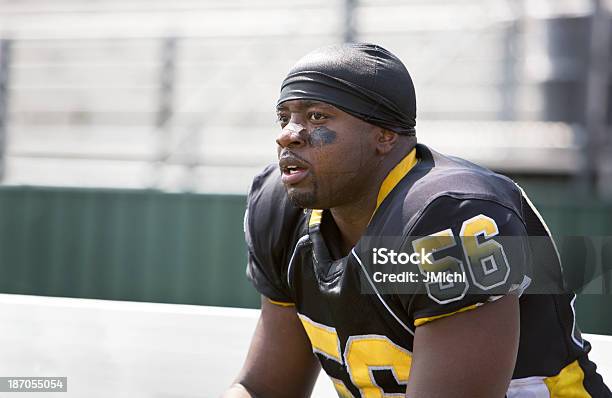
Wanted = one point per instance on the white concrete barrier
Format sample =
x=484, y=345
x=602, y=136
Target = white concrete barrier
x=126, y=349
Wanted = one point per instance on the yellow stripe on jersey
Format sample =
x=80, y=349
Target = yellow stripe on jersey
x=315, y=217
x=568, y=383
x=281, y=303
x=395, y=176
x=323, y=339
x=421, y=321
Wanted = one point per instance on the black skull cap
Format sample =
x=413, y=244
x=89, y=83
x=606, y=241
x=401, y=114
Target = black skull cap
x=362, y=79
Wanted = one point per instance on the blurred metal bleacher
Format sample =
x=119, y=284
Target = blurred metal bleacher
x=180, y=95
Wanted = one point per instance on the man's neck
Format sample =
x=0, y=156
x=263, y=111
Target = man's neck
x=353, y=218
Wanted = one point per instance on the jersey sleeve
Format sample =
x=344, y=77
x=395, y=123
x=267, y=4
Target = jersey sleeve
x=479, y=253
x=269, y=225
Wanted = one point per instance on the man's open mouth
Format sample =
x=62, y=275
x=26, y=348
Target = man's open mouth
x=293, y=170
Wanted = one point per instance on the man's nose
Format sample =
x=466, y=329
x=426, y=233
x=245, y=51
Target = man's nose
x=291, y=136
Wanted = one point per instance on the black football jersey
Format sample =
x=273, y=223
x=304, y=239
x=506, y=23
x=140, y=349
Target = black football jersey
x=362, y=331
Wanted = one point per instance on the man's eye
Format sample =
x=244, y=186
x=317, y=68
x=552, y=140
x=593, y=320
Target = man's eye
x=282, y=119
x=317, y=116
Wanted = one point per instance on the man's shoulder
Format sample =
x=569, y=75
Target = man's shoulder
x=267, y=190
x=270, y=215
x=450, y=184
x=459, y=178
x=272, y=225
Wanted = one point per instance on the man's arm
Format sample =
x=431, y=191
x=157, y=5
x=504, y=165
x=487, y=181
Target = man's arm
x=280, y=362
x=471, y=354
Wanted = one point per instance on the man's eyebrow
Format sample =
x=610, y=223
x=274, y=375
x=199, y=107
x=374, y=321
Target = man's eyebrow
x=301, y=104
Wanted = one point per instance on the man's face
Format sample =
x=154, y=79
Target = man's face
x=326, y=156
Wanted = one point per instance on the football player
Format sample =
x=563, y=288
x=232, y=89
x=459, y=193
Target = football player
x=350, y=173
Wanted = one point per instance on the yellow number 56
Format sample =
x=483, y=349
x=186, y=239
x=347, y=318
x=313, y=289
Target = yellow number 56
x=362, y=354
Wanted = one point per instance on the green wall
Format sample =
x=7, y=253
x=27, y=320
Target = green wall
x=124, y=245
x=590, y=218
x=180, y=248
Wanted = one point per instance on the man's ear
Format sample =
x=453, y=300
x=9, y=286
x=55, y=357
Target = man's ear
x=385, y=141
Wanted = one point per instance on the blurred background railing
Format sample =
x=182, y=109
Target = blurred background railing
x=130, y=130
